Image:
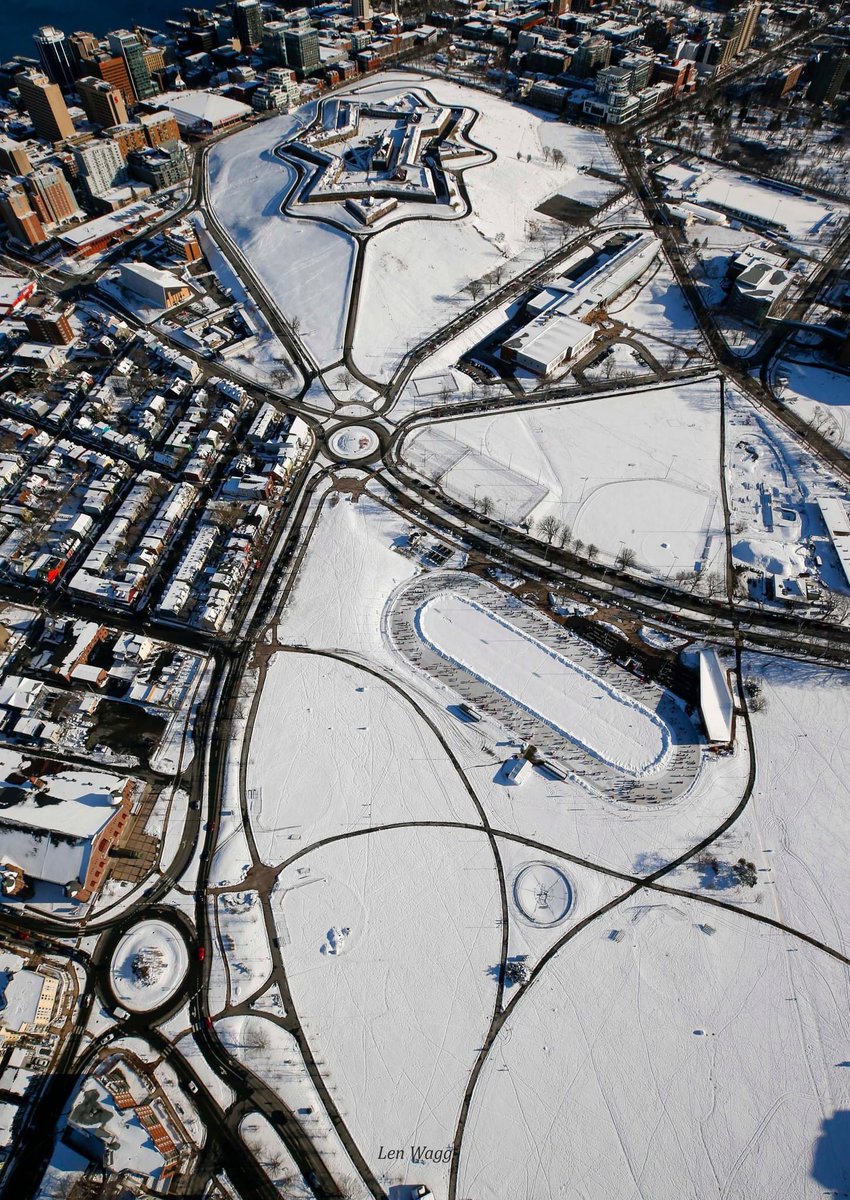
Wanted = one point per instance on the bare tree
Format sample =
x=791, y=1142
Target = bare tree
x=549, y=527
x=592, y=550
x=566, y=536
x=626, y=558
x=475, y=287
x=714, y=584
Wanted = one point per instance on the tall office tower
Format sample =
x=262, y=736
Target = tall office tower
x=274, y=42
x=83, y=45
x=361, y=10
x=102, y=101
x=55, y=55
x=14, y=159
x=133, y=52
x=23, y=224
x=302, y=50
x=101, y=167
x=45, y=105
x=830, y=73
x=248, y=23
x=113, y=69
x=51, y=196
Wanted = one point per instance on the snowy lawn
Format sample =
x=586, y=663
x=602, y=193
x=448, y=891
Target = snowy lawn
x=304, y=266
x=346, y=577
x=819, y=396
x=638, y=469
x=364, y=757
x=389, y=962
x=265, y=1048
x=797, y=826
x=246, y=948
x=670, y=1063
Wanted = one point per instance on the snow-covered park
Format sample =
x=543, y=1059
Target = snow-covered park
x=637, y=470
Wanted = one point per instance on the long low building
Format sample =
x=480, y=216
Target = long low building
x=717, y=706
x=834, y=514
x=546, y=342
x=558, y=329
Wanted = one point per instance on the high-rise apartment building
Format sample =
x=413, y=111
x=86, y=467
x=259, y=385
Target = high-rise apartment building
x=102, y=101
x=302, y=50
x=132, y=51
x=274, y=42
x=361, y=10
x=159, y=127
x=51, y=196
x=248, y=23
x=127, y=137
x=55, y=55
x=101, y=167
x=20, y=219
x=44, y=103
x=829, y=77
x=47, y=321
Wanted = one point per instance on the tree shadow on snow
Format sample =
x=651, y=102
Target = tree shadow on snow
x=831, y=1159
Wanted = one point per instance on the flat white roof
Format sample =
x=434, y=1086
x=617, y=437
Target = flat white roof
x=715, y=697
x=111, y=223
x=834, y=514
x=21, y=998
x=550, y=336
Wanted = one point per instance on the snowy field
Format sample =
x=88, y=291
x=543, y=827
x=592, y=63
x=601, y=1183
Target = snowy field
x=346, y=578
x=304, y=266
x=655, y=312
x=389, y=963
x=639, y=470
x=797, y=825
x=811, y=222
x=819, y=396
x=242, y=933
x=364, y=758
x=670, y=1063
x=573, y=701
x=267, y=1049
x=148, y=965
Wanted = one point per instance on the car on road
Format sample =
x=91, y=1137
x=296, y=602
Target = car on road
x=193, y=1087
x=202, y=953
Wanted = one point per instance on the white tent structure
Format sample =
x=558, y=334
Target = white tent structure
x=717, y=706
